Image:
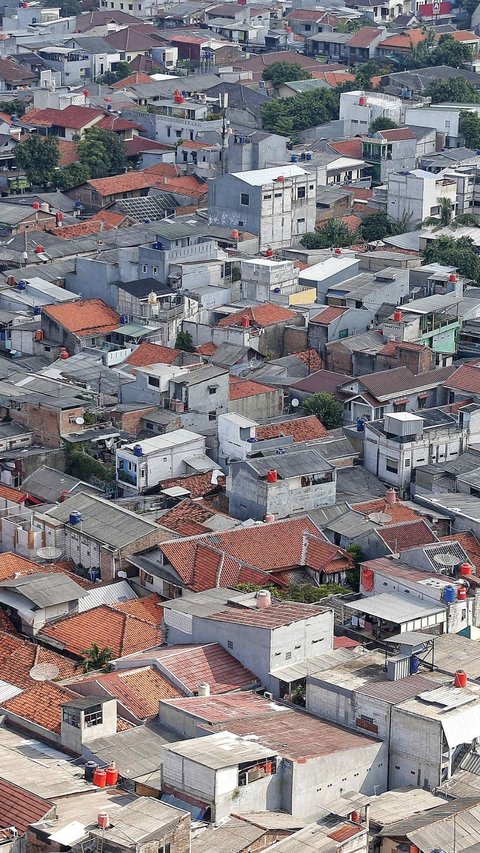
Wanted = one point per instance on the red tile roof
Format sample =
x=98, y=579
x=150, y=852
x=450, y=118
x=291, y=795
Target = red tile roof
x=311, y=15
x=116, y=124
x=397, y=511
x=469, y=543
x=20, y=808
x=345, y=643
x=275, y=616
x=348, y=148
x=197, y=484
x=147, y=353
x=188, y=185
x=466, y=378
x=404, y=41
x=18, y=656
x=187, y=510
x=240, y=388
x=82, y=229
x=252, y=555
x=137, y=690
x=84, y=318
x=72, y=117
x=463, y=35
x=9, y=493
x=197, y=146
x=206, y=349
x=334, y=78
x=221, y=708
x=364, y=37
x=149, y=608
x=41, y=705
x=132, y=80
x=133, y=181
x=311, y=358
x=391, y=348
x=302, y=429
x=188, y=666
x=408, y=534
x=330, y=313
x=322, y=380
x=397, y=133
x=109, y=218
x=107, y=627
x=261, y=316
x=139, y=143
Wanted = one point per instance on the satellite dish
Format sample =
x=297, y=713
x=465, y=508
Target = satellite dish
x=80, y=421
x=379, y=517
x=49, y=553
x=447, y=560
x=122, y=574
x=44, y=672
x=295, y=402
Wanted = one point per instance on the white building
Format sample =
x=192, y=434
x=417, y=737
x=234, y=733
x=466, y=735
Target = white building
x=396, y=445
x=445, y=118
x=278, y=204
x=359, y=109
x=415, y=195
x=143, y=464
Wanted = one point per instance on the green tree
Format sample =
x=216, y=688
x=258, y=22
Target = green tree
x=332, y=234
x=289, y=116
x=118, y=72
x=326, y=408
x=96, y=658
x=184, y=342
x=281, y=72
x=71, y=176
x=102, y=152
x=456, y=253
x=377, y=226
x=451, y=52
x=470, y=127
x=39, y=157
x=445, y=215
x=466, y=219
x=469, y=7
x=382, y=123
x=12, y=108
x=353, y=575
x=456, y=91
x=365, y=72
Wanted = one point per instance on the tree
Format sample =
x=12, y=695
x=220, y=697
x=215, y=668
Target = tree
x=289, y=116
x=456, y=253
x=451, y=52
x=38, y=156
x=12, y=108
x=332, y=234
x=68, y=8
x=102, y=152
x=382, y=123
x=118, y=72
x=281, y=72
x=184, y=342
x=71, y=176
x=470, y=127
x=445, y=213
x=377, y=226
x=365, y=72
x=456, y=90
x=326, y=408
x=96, y=658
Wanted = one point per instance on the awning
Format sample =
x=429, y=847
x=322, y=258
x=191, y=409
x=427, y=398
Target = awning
x=463, y=726
x=133, y=330
x=402, y=402
x=393, y=607
x=201, y=463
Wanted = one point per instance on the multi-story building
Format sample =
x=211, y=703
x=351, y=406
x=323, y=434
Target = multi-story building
x=359, y=109
x=180, y=117
x=390, y=151
x=143, y=464
x=278, y=204
x=415, y=195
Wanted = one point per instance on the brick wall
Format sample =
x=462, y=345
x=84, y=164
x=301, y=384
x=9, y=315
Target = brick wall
x=111, y=561
x=131, y=421
x=338, y=358
x=47, y=425
x=294, y=339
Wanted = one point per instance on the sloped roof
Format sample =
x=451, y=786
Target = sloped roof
x=397, y=511
x=301, y=429
x=147, y=353
x=84, y=317
x=240, y=388
x=364, y=37
x=348, y=148
x=139, y=690
x=408, y=534
x=20, y=808
x=197, y=484
x=466, y=378
x=73, y=117
x=106, y=626
x=325, y=317
x=41, y=705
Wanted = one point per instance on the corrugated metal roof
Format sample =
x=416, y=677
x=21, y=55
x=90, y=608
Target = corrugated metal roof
x=109, y=594
x=462, y=727
x=393, y=607
x=8, y=691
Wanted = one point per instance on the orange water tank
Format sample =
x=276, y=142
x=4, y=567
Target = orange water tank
x=397, y=315
x=112, y=775
x=64, y=354
x=460, y=679
x=235, y=234
x=100, y=778
x=272, y=476
x=269, y=253
x=103, y=820
x=461, y=593
x=39, y=250
x=280, y=179
x=39, y=335
x=466, y=569
x=355, y=817
x=245, y=321
x=362, y=101
x=452, y=277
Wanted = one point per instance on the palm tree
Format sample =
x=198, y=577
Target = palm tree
x=445, y=213
x=96, y=658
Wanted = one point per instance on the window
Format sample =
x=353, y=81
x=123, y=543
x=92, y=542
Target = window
x=72, y=718
x=144, y=268
x=178, y=134
x=154, y=270
x=244, y=199
x=301, y=192
x=288, y=655
x=278, y=195
x=212, y=389
x=391, y=465
x=147, y=578
x=154, y=382
x=230, y=644
x=169, y=130
x=311, y=186
x=148, y=425
x=94, y=717
x=308, y=27
x=267, y=197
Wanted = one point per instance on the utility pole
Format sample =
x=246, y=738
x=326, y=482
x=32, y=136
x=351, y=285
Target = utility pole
x=224, y=103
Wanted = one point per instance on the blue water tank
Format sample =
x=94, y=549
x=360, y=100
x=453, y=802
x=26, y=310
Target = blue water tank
x=294, y=158
x=34, y=20
x=277, y=289
x=414, y=664
x=360, y=425
x=252, y=440
x=158, y=245
x=184, y=93
x=37, y=310
x=22, y=284
x=137, y=450
x=75, y=517
x=123, y=319
x=308, y=155
x=449, y=594
x=77, y=204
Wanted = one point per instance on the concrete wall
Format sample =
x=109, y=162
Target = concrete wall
x=415, y=751
x=258, y=406
x=252, y=497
